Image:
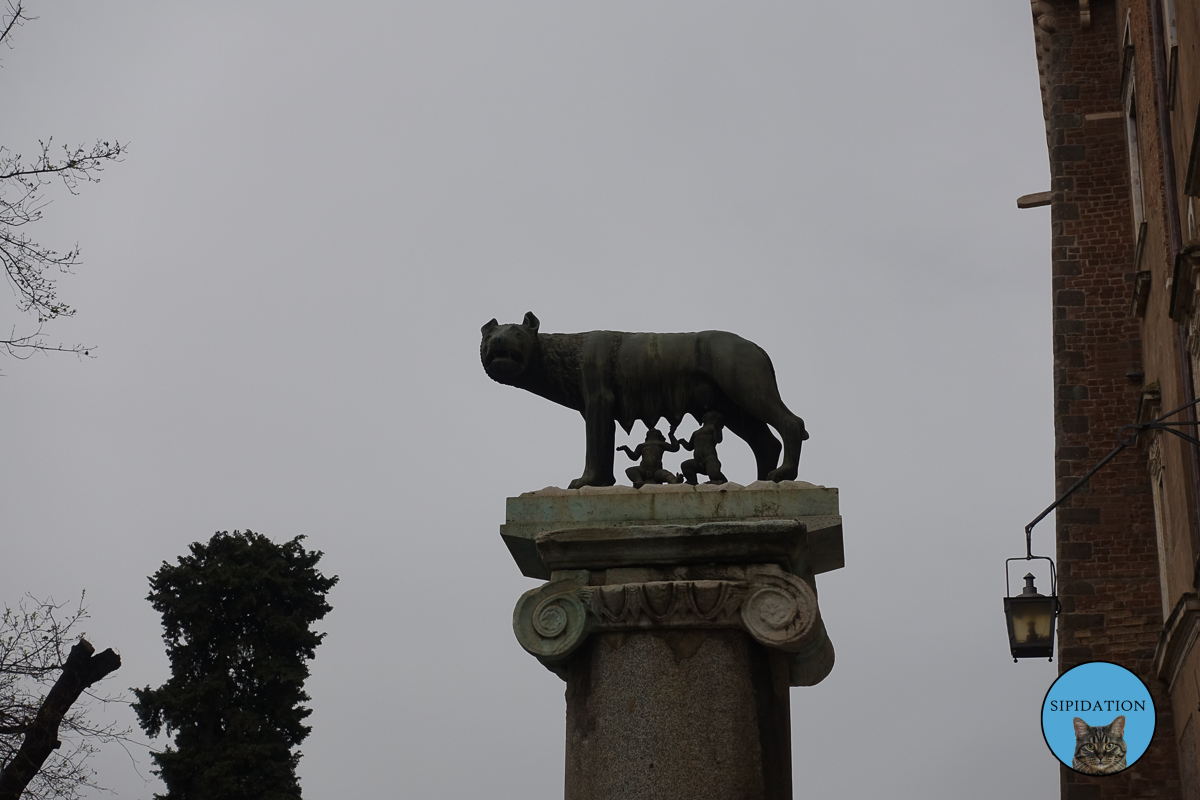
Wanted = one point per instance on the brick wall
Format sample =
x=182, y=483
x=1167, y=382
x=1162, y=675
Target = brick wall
x=1107, y=546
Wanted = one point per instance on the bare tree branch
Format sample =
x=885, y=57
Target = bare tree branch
x=15, y=17
x=23, y=347
x=29, y=266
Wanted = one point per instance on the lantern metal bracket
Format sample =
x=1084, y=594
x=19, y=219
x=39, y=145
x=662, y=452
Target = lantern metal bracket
x=1126, y=436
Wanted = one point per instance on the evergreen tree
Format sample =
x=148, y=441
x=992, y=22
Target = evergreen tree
x=237, y=616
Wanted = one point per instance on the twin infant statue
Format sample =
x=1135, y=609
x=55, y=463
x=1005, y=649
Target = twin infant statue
x=703, y=445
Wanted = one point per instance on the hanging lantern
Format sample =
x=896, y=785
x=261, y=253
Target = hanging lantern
x=1030, y=616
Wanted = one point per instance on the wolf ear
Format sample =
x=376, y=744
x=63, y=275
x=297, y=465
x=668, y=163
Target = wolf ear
x=531, y=321
x=489, y=326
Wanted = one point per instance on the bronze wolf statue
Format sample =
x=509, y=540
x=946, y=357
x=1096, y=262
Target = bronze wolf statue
x=613, y=376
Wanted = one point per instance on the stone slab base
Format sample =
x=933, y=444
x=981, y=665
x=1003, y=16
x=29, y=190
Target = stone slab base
x=554, y=509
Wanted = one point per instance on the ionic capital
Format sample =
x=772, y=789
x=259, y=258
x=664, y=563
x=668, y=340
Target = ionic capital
x=776, y=608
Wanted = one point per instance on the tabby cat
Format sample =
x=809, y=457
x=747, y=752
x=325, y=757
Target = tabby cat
x=1099, y=750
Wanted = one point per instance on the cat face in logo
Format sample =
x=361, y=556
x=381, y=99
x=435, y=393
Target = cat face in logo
x=1099, y=750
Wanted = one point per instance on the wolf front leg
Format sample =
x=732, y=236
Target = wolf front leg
x=601, y=434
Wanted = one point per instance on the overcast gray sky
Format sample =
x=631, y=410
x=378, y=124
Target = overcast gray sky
x=322, y=204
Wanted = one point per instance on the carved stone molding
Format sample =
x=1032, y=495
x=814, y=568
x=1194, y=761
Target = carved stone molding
x=665, y=604
x=776, y=608
x=1154, y=457
x=1193, y=334
x=1177, y=639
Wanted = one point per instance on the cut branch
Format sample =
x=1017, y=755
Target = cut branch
x=82, y=669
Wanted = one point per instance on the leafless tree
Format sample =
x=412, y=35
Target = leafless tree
x=46, y=738
x=29, y=265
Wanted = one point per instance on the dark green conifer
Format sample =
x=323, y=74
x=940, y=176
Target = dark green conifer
x=237, y=616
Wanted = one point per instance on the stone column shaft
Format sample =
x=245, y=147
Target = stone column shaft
x=697, y=714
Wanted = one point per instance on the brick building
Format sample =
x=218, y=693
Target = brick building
x=1120, y=84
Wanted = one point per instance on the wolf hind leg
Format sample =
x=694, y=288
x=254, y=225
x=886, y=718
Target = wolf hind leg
x=791, y=428
x=763, y=444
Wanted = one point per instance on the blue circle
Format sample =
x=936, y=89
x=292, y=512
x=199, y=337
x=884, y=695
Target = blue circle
x=1097, y=692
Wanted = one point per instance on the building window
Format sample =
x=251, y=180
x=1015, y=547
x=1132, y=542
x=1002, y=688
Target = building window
x=1193, y=346
x=1135, y=162
x=1162, y=521
x=1191, y=182
x=1171, y=42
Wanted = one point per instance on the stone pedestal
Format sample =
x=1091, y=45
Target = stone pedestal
x=678, y=616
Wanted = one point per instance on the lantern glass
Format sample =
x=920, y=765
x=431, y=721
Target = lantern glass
x=1032, y=620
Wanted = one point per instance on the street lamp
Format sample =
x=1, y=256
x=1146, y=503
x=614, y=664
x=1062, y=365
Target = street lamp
x=1031, y=615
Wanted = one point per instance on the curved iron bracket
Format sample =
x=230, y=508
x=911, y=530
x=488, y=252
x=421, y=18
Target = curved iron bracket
x=1053, y=575
x=1126, y=436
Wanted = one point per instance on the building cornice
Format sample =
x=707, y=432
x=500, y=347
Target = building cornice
x=1043, y=27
